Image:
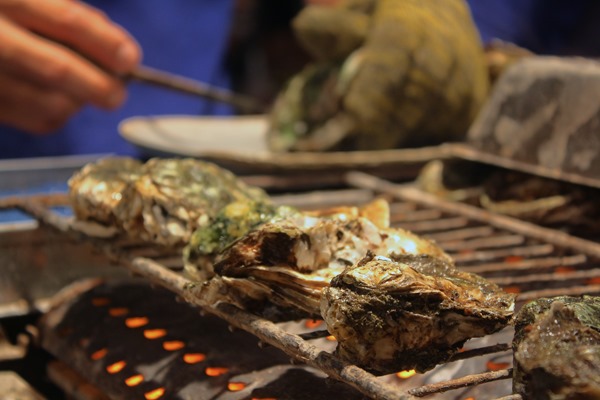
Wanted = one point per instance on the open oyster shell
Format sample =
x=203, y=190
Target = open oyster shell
x=411, y=312
x=287, y=263
x=557, y=349
x=161, y=201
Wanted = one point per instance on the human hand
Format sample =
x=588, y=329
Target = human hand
x=57, y=56
x=387, y=74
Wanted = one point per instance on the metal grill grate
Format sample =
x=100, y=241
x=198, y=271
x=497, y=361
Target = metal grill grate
x=521, y=257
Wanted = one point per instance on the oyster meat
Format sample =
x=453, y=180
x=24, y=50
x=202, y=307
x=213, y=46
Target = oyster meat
x=288, y=262
x=557, y=349
x=162, y=201
x=409, y=311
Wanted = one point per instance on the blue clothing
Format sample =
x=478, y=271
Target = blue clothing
x=186, y=37
x=556, y=27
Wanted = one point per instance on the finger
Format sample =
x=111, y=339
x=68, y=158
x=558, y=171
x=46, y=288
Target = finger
x=50, y=65
x=82, y=27
x=32, y=108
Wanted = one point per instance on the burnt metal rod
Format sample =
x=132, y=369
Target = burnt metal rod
x=481, y=351
x=465, y=381
x=192, y=87
x=410, y=193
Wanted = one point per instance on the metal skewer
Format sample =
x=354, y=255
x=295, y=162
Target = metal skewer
x=185, y=85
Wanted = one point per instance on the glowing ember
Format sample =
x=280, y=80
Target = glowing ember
x=593, y=281
x=136, y=322
x=494, y=366
x=97, y=355
x=173, y=345
x=235, y=386
x=154, y=394
x=512, y=289
x=215, y=371
x=154, y=333
x=193, y=358
x=134, y=380
x=118, y=311
x=100, y=301
x=564, y=270
x=406, y=374
x=331, y=337
x=513, y=259
x=313, y=323
x=116, y=367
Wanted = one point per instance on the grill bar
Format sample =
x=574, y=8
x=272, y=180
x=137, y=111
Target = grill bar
x=466, y=381
x=410, y=193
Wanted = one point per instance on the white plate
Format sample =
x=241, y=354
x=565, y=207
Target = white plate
x=197, y=136
x=239, y=143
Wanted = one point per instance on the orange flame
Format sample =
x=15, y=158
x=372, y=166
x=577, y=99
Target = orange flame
x=331, y=337
x=116, y=367
x=193, y=358
x=215, y=371
x=154, y=333
x=154, y=394
x=173, y=345
x=134, y=380
x=406, y=374
x=97, y=355
x=118, y=311
x=100, y=301
x=494, y=366
x=235, y=386
x=136, y=322
x=313, y=323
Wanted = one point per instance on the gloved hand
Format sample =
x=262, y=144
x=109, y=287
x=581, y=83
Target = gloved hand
x=387, y=74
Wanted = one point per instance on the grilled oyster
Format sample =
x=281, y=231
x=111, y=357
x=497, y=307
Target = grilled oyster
x=105, y=190
x=178, y=195
x=288, y=262
x=557, y=349
x=410, y=311
x=161, y=201
x=231, y=222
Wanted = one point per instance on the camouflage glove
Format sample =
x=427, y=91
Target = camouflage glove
x=387, y=74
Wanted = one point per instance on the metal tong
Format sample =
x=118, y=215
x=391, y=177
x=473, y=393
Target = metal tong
x=181, y=84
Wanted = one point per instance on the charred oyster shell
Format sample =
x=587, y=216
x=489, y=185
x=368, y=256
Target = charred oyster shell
x=412, y=312
x=557, y=349
x=288, y=262
x=161, y=201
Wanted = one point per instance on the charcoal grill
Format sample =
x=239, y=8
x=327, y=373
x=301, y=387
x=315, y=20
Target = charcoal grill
x=521, y=257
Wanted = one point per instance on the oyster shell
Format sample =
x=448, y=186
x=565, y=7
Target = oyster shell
x=409, y=312
x=288, y=262
x=103, y=191
x=230, y=223
x=161, y=201
x=557, y=349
